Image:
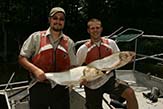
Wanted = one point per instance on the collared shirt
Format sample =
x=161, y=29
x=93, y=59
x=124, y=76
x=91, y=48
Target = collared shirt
x=32, y=45
x=83, y=50
x=82, y=55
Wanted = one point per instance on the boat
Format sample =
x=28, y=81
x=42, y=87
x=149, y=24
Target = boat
x=143, y=84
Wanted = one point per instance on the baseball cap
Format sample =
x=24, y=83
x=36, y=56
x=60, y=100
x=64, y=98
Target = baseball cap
x=56, y=10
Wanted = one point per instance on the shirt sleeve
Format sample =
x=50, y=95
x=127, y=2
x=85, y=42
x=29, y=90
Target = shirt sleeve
x=29, y=46
x=81, y=54
x=114, y=46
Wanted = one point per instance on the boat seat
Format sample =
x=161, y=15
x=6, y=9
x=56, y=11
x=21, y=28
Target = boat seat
x=128, y=35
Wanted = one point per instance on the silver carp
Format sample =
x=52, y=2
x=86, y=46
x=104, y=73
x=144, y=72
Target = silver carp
x=93, y=72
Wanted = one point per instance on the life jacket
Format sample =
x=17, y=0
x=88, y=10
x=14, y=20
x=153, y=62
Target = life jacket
x=98, y=52
x=50, y=60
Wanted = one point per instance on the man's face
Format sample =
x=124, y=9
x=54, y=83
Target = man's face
x=95, y=30
x=57, y=21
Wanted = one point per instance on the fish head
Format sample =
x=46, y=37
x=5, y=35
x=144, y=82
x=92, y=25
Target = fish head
x=91, y=73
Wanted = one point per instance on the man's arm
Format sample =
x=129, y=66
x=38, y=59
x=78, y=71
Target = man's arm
x=81, y=54
x=114, y=46
x=38, y=73
x=29, y=47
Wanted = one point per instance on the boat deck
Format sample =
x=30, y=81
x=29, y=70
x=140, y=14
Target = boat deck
x=140, y=82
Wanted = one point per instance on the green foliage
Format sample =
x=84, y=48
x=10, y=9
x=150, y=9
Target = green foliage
x=20, y=18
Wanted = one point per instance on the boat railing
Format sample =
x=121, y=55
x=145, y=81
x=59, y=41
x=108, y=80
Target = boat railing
x=128, y=35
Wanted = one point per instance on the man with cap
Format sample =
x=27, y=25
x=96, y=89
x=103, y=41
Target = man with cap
x=48, y=51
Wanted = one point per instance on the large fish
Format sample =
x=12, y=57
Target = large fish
x=93, y=72
x=74, y=76
x=113, y=61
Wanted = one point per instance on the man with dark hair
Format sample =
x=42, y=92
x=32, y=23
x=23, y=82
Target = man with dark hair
x=48, y=51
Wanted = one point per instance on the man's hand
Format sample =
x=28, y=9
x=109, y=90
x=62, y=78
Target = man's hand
x=83, y=81
x=40, y=75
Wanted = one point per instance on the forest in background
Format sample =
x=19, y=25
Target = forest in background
x=18, y=19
